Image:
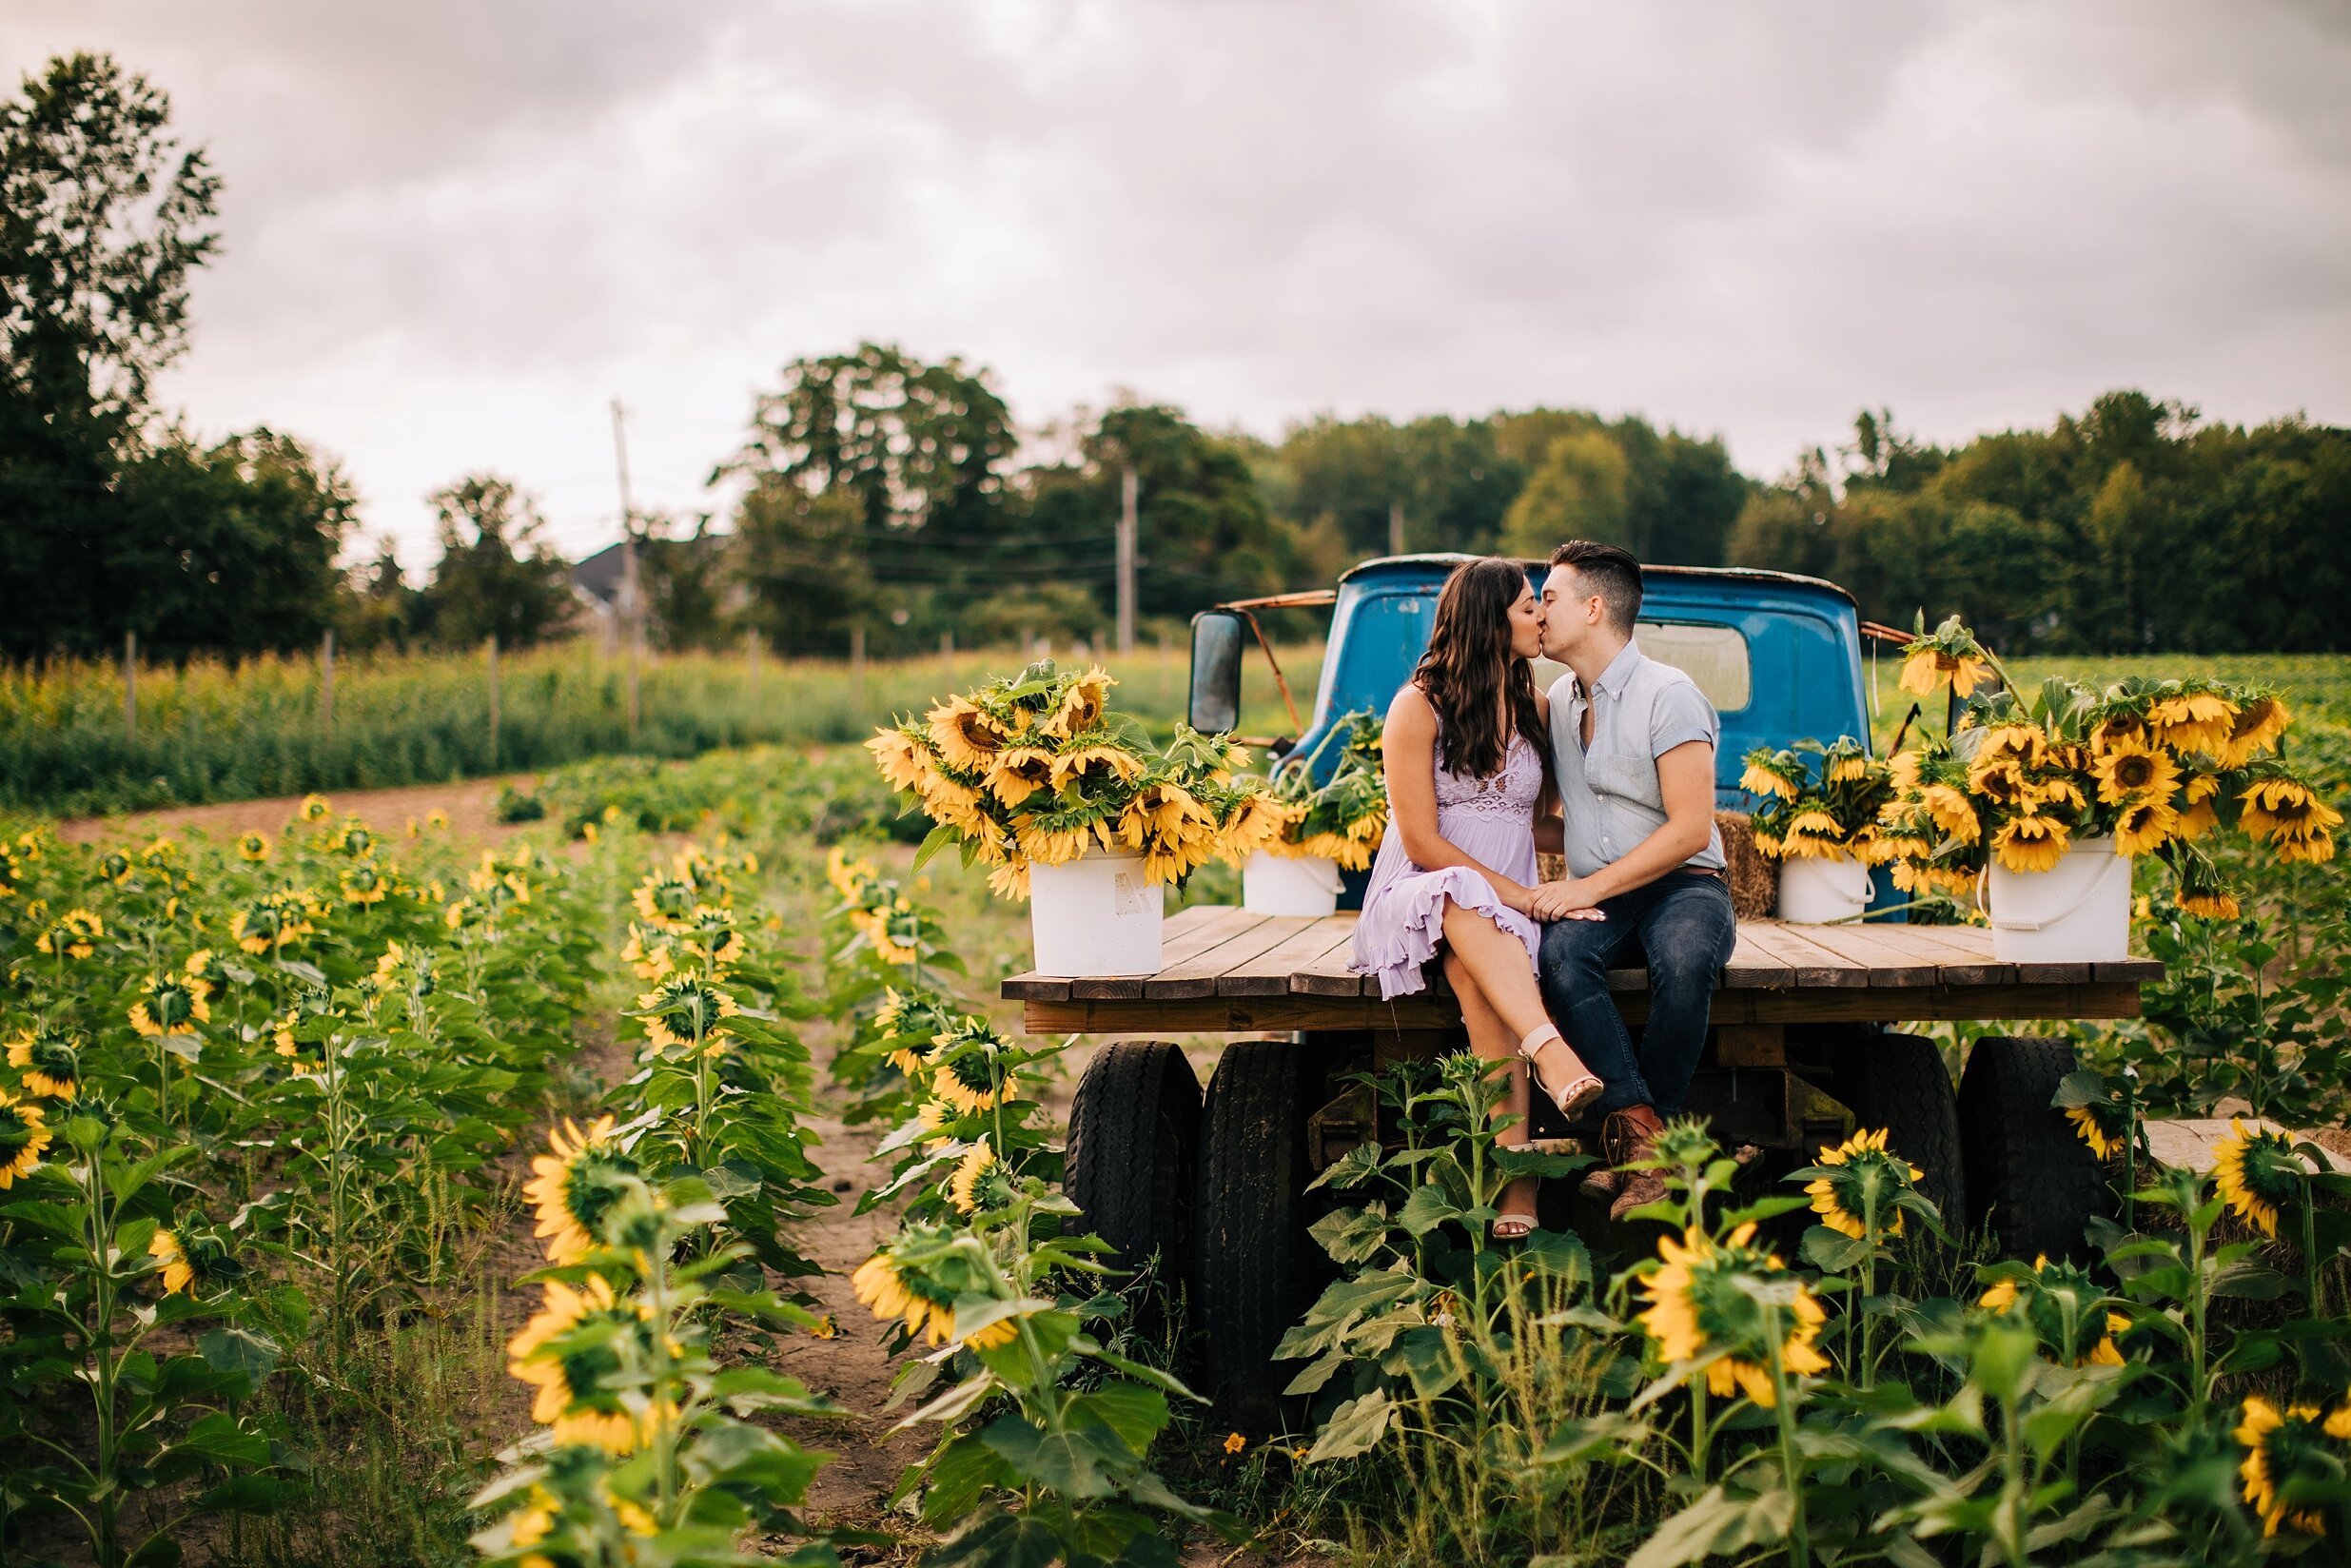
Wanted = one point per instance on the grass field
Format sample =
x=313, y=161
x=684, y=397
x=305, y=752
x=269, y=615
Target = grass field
x=206, y=732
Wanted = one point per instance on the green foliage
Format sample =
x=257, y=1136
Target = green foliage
x=2127, y=527
x=498, y=575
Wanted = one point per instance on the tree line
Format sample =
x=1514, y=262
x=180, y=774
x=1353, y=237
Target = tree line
x=879, y=495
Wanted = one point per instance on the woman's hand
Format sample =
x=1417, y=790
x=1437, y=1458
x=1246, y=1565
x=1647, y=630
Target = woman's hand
x=1568, y=900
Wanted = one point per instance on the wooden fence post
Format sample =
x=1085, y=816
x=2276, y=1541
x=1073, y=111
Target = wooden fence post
x=131, y=685
x=493, y=648
x=857, y=654
x=326, y=682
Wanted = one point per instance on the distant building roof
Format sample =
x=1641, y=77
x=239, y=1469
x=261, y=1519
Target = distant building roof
x=599, y=576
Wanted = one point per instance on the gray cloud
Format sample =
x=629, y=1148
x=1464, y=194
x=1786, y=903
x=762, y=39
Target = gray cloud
x=455, y=230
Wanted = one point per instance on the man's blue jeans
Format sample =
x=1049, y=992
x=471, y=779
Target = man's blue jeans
x=1683, y=926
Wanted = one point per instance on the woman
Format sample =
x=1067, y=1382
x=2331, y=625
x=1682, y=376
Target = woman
x=1468, y=762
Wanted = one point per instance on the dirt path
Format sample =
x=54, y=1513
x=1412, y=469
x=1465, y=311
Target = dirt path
x=470, y=807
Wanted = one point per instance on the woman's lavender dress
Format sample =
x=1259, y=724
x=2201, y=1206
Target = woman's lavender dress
x=1491, y=820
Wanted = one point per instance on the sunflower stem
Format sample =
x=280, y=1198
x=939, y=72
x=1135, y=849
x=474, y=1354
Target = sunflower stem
x=1792, y=1466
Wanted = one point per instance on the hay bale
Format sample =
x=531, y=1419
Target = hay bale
x=1754, y=881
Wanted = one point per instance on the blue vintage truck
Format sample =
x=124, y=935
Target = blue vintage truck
x=1806, y=1038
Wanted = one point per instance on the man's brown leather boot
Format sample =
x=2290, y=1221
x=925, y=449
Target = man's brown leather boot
x=1629, y=1135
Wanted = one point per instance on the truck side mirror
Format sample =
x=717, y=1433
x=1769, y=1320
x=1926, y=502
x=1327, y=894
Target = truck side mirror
x=1215, y=706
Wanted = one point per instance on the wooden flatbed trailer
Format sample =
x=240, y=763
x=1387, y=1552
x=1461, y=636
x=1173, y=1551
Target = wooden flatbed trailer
x=1800, y=1049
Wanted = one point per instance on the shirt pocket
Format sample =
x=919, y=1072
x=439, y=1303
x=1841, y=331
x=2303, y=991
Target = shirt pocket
x=1623, y=778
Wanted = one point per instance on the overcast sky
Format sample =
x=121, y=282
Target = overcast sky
x=454, y=229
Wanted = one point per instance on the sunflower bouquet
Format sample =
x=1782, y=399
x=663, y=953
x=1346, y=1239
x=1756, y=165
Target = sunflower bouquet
x=2152, y=766
x=1819, y=802
x=1034, y=770
x=1344, y=818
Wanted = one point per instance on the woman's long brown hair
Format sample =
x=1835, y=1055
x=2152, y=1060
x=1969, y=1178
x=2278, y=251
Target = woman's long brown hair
x=1468, y=670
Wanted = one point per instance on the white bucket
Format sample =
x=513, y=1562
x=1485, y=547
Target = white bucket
x=1816, y=892
x=1095, y=916
x=2078, y=911
x=1283, y=884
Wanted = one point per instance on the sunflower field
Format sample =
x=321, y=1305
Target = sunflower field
x=372, y=1194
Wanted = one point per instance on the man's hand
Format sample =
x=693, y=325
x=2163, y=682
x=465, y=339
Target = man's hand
x=1568, y=900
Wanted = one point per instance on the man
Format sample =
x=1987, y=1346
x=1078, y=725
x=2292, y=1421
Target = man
x=1633, y=743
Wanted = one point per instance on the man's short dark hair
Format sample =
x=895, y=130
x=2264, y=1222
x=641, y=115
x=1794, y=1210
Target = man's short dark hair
x=1609, y=571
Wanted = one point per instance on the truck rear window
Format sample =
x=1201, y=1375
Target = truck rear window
x=1715, y=657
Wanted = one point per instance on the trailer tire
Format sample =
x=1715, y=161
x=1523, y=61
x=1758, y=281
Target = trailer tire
x=1133, y=1126
x=2026, y=1168
x=1897, y=1082
x=1251, y=1265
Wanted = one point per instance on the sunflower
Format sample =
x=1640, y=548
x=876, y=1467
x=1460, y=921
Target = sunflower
x=275, y=921
x=1009, y=880
x=1017, y=773
x=569, y=1377
x=2030, y=843
x=1813, y=835
x=1759, y=779
x=964, y=1187
x=23, y=1133
x=2000, y=781
x=1054, y=846
x=2276, y=1447
x=314, y=808
x=664, y=897
x=2056, y=1302
x=1096, y=762
x=1699, y=1307
x=115, y=867
x=174, y=1004
x=2299, y=825
x=850, y=879
x=2027, y=745
x=2194, y=722
x=364, y=883
x=686, y=1014
x=2258, y=1173
x=179, y=1274
x=959, y=805
x=1852, y=1174
x=74, y=936
x=2198, y=817
x=2141, y=826
x=966, y=736
x=2104, y=1124
x=304, y=1058
x=2258, y=724
x=254, y=848
x=2132, y=770
x=1952, y=812
x=49, y=1062
x=894, y=1283
x=972, y=1081
x=1081, y=706
x=1924, y=670
x=905, y=762
x=572, y=1185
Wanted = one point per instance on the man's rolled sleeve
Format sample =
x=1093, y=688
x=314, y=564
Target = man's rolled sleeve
x=1680, y=715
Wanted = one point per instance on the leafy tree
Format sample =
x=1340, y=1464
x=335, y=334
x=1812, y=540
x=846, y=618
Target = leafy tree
x=498, y=575
x=1203, y=533
x=102, y=220
x=229, y=548
x=906, y=459
x=374, y=605
x=684, y=582
x=1578, y=492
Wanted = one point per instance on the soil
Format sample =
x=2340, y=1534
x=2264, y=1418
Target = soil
x=471, y=808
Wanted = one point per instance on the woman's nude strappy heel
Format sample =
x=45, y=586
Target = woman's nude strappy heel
x=1571, y=1096
x=1514, y=1227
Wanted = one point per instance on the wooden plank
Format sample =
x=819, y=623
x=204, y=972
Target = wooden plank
x=1269, y=972
x=1200, y=936
x=1962, y=954
x=1199, y=975
x=1329, y=975
x=1886, y=964
x=1187, y=932
x=2136, y=972
x=1811, y=965
x=1433, y=1009
x=1755, y=966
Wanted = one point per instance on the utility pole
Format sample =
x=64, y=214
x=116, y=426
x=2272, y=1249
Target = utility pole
x=326, y=682
x=1396, y=526
x=1129, y=490
x=632, y=617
